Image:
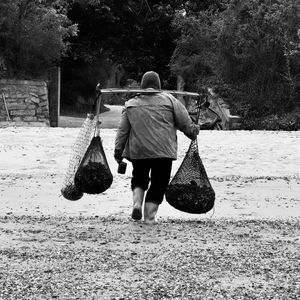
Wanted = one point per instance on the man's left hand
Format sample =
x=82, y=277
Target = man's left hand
x=118, y=155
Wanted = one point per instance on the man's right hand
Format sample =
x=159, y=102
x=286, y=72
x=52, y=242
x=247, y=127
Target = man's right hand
x=196, y=132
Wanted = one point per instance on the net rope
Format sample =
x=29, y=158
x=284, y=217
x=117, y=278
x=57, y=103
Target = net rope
x=190, y=189
x=192, y=168
x=78, y=149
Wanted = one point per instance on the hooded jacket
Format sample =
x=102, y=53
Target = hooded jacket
x=148, y=126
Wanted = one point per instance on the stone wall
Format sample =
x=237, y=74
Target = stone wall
x=23, y=103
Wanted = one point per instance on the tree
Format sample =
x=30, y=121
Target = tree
x=33, y=35
x=250, y=46
x=194, y=54
x=135, y=34
x=261, y=33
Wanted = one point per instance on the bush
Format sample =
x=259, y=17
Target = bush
x=33, y=36
x=251, y=50
x=286, y=122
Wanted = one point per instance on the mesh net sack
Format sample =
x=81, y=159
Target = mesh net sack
x=93, y=175
x=69, y=190
x=190, y=190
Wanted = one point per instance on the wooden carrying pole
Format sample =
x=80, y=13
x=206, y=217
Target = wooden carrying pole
x=146, y=91
x=7, y=112
x=98, y=107
x=100, y=91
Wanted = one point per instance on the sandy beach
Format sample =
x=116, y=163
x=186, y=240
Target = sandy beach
x=247, y=247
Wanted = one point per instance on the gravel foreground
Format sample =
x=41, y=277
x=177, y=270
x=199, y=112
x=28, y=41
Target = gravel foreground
x=246, y=248
x=115, y=258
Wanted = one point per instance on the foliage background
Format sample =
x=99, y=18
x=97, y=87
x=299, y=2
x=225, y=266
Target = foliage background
x=33, y=36
x=247, y=51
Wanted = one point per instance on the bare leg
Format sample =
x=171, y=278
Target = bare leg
x=150, y=211
x=138, y=197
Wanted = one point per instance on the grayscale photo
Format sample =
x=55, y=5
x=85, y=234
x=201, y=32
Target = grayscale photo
x=150, y=150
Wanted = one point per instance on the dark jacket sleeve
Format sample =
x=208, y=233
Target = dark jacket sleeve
x=123, y=131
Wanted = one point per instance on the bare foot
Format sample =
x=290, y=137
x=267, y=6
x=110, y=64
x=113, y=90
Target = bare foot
x=150, y=222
